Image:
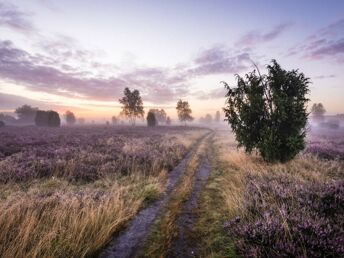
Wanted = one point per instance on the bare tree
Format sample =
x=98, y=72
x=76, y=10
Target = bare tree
x=132, y=105
x=184, y=111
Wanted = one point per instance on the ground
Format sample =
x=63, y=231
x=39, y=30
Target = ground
x=165, y=192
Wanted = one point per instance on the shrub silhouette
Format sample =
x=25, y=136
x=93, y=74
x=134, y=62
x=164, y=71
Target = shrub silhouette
x=47, y=118
x=70, y=118
x=268, y=112
x=168, y=121
x=151, y=120
x=2, y=123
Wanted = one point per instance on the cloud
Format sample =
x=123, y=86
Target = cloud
x=325, y=76
x=258, y=37
x=218, y=93
x=11, y=17
x=219, y=60
x=326, y=43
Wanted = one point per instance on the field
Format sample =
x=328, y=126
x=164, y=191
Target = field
x=79, y=192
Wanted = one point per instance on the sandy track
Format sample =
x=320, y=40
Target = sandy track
x=131, y=238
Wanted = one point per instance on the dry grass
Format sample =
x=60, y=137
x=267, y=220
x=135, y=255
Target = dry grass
x=56, y=217
x=165, y=229
x=71, y=223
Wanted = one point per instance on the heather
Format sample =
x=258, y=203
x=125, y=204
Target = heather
x=66, y=191
x=86, y=153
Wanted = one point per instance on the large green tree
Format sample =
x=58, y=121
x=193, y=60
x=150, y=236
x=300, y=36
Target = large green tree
x=268, y=112
x=132, y=105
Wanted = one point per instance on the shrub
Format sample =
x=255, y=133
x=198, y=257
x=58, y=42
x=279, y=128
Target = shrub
x=2, y=124
x=151, y=120
x=47, y=118
x=268, y=112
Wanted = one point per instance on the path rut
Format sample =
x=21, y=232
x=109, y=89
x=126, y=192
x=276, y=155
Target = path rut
x=129, y=240
x=183, y=245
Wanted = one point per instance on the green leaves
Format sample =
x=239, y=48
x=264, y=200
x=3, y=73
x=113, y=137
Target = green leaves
x=268, y=112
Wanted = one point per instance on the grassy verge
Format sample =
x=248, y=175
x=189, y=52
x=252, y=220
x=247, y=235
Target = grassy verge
x=165, y=229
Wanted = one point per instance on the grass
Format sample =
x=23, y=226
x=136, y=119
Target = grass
x=59, y=217
x=165, y=229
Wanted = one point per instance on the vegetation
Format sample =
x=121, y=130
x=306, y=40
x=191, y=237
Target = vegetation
x=70, y=118
x=160, y=115
x=2, y=123
x=132, y=105
x=47, y=118
x=168, y=121
x=318, y=111
x=268, y=112
x=184, y=111
x=114, y=120
x=151, y=120
x=26, y=114
x=217, y=116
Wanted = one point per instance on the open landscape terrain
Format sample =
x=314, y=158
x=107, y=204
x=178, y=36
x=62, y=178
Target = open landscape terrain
x=165, y=192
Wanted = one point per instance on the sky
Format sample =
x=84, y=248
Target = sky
x=80, y=55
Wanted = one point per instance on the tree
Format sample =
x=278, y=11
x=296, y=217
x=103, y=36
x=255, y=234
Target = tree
x=132, y=105
x=114, y=120
x=184, y=111
x=70, y=118
x=268, y=112
x=26, y=114
x=160, y=115
x=81, y=121
x=168, y=121
x=318, y=111
x=217, y=117
x=47, y=118
x=2, y=123
x=151, y=119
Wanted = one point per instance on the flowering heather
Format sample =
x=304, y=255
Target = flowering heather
x=288, y=217
x=86, y=153
x=327, y=144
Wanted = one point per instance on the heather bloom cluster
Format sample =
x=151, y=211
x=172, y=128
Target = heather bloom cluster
x=290, y=217
x=85, y=154
x=326, y=144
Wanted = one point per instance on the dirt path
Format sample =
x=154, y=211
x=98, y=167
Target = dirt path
x=184, y=245
x=129, y=240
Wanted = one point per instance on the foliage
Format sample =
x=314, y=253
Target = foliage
x=26, y=114
x=151, y=120
x=70, y=117
x=160, y=115
x=217, y=116
x=268, y=112
x=318, y=111
x=9, y=120
x=302, y=219
x=184, y=111
x=132, y=105
x=47, y=118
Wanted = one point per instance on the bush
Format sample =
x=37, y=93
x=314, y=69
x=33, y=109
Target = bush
x=47, y=118
x=268, y=112
x=151, y=120
x=2, y=124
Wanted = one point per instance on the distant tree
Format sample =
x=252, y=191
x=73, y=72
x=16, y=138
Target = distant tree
x=318, y=111
x=168, y=121
x=268, y=112
x=7, y=119
x=160, y=115
x=202, y=120
x=208, y=119
x=151, y=119
x=2, y=123
x=107, y=123
x=26, y=114
x=114, y=120
x=81, y=121
x=47, y=118
x=184, y=111
x=132, y=105
x=217, y=116
x=69, y=117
